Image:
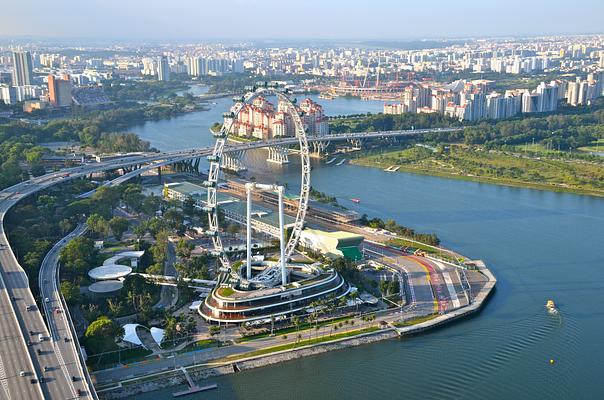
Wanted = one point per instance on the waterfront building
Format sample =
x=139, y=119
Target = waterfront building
x=22, y=68
x=313, y=118
x=260, y=120
x=333, y=244
x=309, y=283
x=163, y=69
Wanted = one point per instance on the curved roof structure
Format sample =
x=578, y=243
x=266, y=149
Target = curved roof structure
x=109, y=272
x=130, y=334
x=107, y=286
x=157, y=334
x=124, y=254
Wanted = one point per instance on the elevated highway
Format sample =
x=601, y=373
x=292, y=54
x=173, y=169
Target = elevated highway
x=18, y=347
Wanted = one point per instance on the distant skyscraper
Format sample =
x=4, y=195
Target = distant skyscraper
x=59, y=91
x=572, y=93
x=197, y=66
x=530, y=102
x=22, y=68
x=548, y=97
x=8, y=94
x=163, y=69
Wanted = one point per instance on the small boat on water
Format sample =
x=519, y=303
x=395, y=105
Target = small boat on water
x=355, y=200
x=551, y=307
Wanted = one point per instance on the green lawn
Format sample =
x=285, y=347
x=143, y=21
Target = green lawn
x=225, y=291
x=201, y=344
x=515, y=169
x=301, y=343
x=104, y=361
x=415, y=321
x=598, y=145
x=291, y=329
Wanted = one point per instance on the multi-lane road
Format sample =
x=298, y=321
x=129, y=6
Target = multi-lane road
x=58, y=319
x=31, y=368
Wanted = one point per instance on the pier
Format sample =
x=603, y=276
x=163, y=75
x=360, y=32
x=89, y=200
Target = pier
x=193, y=388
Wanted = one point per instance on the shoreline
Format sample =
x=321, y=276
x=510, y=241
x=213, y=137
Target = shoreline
x=482, y=179
x=171, y=378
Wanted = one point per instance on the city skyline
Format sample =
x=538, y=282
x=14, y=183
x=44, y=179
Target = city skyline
x=385, y=20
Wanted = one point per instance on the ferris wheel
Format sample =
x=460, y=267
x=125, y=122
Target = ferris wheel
x=212, y=207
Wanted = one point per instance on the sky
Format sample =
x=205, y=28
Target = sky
x=299, y=19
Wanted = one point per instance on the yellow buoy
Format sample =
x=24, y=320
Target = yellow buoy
x=551, y=361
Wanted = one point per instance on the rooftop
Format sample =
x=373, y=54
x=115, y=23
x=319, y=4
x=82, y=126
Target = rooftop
x=109, y=272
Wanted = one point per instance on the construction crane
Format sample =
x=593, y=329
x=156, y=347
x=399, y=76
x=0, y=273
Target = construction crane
x=377, y=79
x=366, y=73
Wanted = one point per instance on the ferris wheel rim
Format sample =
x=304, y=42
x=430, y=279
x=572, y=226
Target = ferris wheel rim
x=215, y=168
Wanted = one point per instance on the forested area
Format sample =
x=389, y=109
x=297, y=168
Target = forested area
x=570, y=127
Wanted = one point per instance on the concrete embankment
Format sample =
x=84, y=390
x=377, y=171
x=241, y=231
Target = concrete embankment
x=175, y=378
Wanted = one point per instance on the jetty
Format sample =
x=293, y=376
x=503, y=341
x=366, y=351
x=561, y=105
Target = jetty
x=342, y=161
x=330, y=161
x=193, y=388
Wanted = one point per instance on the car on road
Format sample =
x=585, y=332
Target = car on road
x=22, y=373
x=47, y=300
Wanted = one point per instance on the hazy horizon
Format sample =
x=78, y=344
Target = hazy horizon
x=337, y=20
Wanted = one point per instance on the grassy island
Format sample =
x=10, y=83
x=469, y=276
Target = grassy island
x=535, y=168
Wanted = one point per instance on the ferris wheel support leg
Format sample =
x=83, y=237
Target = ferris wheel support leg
x=282, y=237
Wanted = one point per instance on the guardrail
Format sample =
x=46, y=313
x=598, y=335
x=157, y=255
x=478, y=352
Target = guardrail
x=76, y=342
x=73, y=337
x=14, y=312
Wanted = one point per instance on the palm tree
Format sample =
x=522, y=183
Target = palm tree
x=272, y=324
x=296, y=322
